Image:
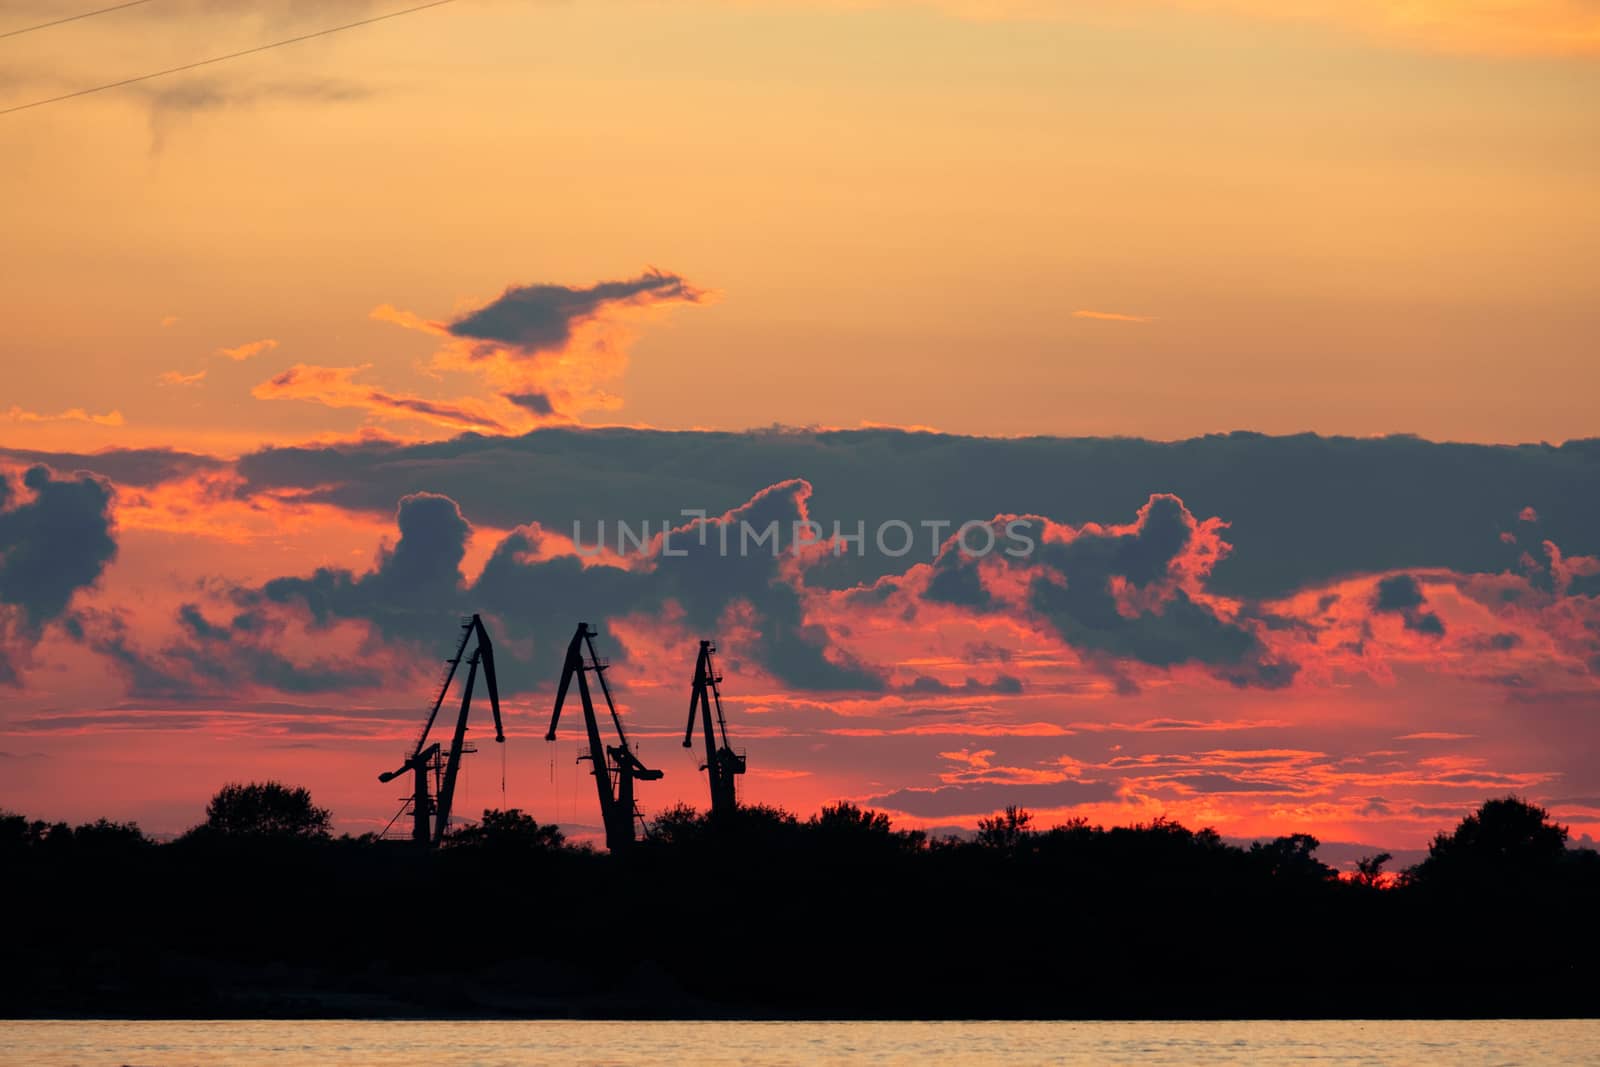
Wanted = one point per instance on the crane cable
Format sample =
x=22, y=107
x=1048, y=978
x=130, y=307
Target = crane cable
x=222, y=58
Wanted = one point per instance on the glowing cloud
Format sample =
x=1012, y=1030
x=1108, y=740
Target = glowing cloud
x=549, y=349
x=249, y=350
x=1110, y=316
x=17, y=414
x=336, y=388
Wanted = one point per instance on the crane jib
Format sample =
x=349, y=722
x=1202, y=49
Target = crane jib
x=430, y=804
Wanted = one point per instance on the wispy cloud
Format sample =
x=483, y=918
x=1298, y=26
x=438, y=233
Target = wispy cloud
x=17, y=414
x=173, y=377
x=1111, y=316
x=249, y=350
x=336, y=387
x=1502, y=27
x=176, y=103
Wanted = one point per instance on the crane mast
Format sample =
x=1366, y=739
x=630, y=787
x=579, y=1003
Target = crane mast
x=615, y=767
x=433, y=772
x=723, y=764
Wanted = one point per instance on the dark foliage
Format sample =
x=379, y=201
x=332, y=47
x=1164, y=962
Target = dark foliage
x=1504, y=843
x=760, y=913
x=264, y=810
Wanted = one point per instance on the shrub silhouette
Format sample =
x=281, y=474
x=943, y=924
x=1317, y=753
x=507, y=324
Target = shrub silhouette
x=1369, y=869
x=1008, y=831
x=510, y=830
x=847, y=826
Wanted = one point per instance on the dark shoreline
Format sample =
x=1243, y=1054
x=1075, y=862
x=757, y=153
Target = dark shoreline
x=460, y=998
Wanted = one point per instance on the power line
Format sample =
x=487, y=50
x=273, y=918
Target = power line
x=71, y=18
x=230, y=55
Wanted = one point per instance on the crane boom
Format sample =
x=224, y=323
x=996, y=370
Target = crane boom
x=452, y=767
x=435, y=806
x=722, y=764
x=444, y=685
x=617, y=761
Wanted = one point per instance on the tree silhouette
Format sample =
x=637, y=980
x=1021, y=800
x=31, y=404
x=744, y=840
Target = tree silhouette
x=265, y=810
x=677, y=825
x=1293, y=858
x=1505, y=839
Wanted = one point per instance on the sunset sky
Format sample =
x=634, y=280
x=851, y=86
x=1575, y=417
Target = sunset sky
x=312, y=351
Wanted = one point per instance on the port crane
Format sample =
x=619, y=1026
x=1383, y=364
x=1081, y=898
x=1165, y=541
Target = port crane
x=722, y=764
x=615, y=767
x=433, y=772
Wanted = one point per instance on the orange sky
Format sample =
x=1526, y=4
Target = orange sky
x=1157, y=219
x=1334, y=217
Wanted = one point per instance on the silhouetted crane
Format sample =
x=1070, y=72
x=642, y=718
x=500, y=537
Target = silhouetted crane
x=722, y=764
x=425, y=759
x=615, y=766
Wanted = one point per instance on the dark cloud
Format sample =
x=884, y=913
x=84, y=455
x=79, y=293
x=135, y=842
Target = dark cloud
x=1374, y=806
x=139, y=468
x=705, y=580
x=538, y=403
x=955, y=581
x=1401, y=594
x=53, y=545
x=1301, y=510
x=418, y=583
x=1223, y=784
x=983, y=798
x=1426, y=623
x=220, y=656
x=1003, y=684
x=419, y=580
x=107, y=633
x=209, y=659
x=414, y=584
x=1500, y=642
x=540, y=318
x=986, y=652
x=1074, y=586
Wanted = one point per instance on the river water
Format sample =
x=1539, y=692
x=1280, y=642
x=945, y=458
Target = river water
x=501, y=1044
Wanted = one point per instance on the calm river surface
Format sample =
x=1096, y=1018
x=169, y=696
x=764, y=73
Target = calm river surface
x=492, y=1044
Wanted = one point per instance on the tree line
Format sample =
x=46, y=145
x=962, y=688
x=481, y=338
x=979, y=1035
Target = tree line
x=260, y=909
